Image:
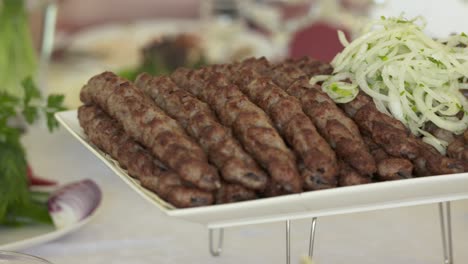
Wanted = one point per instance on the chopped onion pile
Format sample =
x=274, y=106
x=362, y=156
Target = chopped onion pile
x=409, y=75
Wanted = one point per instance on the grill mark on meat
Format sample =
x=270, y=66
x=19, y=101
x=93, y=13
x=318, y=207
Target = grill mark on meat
x=348, y=176
x=251, y=125
x=150, y=126
x=196, y=117
x=108, y=135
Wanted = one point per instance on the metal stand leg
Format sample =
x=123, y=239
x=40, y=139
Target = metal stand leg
x=216, y=252
x=312, y=237
x=446, y=230
x=288, y=242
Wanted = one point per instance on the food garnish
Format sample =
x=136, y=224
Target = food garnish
x=409, y=75
x=74, y=202
x=18, y=205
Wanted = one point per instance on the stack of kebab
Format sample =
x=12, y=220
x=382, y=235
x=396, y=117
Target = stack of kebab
x=339, y=131
x=109, y=136
x=391, y=135
x=224, y=151
x=317, y=161
x=236, y=116
x=148, y=125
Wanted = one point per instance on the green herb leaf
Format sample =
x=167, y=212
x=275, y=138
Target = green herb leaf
x=54, y=104
x=30, y=90
x=30, y=113
x=13, y=190
x=383, y=58
x=435, y=61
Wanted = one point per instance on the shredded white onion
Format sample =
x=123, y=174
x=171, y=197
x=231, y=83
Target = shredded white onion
x=409, y=75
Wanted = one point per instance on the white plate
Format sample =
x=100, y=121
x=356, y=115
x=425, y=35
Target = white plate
x=304, y=205
x=28, y=236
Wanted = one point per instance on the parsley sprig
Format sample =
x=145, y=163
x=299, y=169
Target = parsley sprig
x=17, y=204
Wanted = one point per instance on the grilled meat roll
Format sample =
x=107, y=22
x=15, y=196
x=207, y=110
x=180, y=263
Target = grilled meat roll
x=151, y=127
x=224, y=151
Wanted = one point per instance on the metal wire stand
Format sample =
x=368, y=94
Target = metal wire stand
x=216, y=251
x=445, y=225
x=446, y=231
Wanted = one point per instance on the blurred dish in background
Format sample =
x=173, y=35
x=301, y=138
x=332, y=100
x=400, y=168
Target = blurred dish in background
x=300, y=28
x=118, y=47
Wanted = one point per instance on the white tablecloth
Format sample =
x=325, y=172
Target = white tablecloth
x=127, y=229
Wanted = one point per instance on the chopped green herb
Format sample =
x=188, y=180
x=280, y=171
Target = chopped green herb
x=334, y=87
x=435, y=61
x=16, y=205
x=383, y=58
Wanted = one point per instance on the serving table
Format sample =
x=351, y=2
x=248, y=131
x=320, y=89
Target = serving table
x=128, y=229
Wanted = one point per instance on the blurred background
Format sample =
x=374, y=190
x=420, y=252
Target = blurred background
x=128, y=37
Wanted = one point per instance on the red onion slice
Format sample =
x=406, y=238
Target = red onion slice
x=74, y=202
